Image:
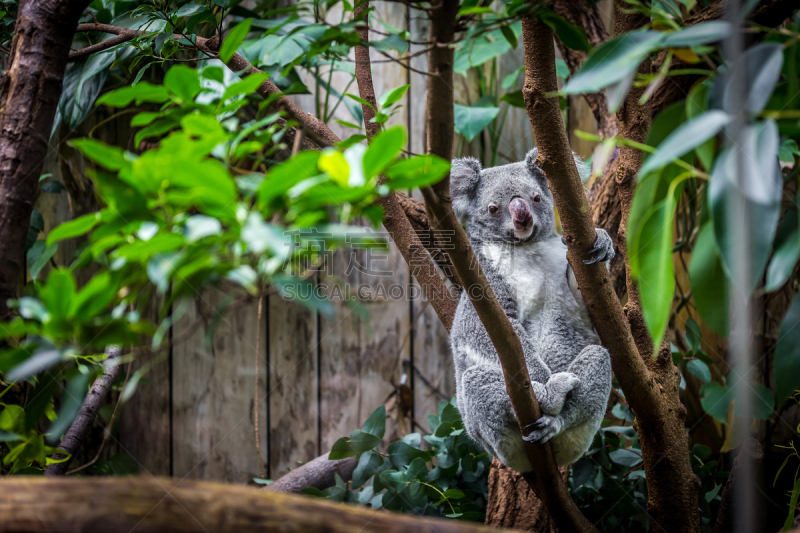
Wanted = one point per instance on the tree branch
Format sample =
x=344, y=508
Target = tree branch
x=555, y=159
x=318, y=474
x=143, y=503
x=30, y=88
x=80, y=427
x=545, y=479
x=421, y=267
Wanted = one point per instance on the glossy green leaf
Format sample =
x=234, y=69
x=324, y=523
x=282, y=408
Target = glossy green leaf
x=716, y=399
x=376, y=423
x=471, y=120
x=787, y=251
x=73, y=228
x=383, y=149
x=703, y=33
x=760, y=188
x=417, y=171
x=39, y=255
x=685, y=138
x=709, y=282
x=183, y=82
x=95, y=296
x=111, y=157
x=786, y=369
x=402, y=454
x=699, y=370
x=572, y=36
x=71, y=402
x=232, y=41
x=41, y=360
x=57, y=293
x=141, y=92
x=391, y=97
x=612, y=61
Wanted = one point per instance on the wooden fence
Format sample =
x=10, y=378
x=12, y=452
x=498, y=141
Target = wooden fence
x=320, y=375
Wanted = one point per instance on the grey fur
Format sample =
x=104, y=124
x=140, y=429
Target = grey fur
x=570, y=372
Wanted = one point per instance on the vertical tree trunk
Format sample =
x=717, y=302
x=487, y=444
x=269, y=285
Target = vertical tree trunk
x=31, y=88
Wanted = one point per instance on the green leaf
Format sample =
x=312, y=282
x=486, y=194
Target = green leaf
x=57, y=293
x=572, y=36
x=141, y=92
x=760, y=188
x=341, y=450
x=376, y=423
x=41, y=360
x=73, y=228
x=183, y=82
x=71, y=402
x=362, y=442
x=694, y=336
x=515, y=99
x=653, y=249
x=401, y=454
x=612, y=61
x=761, y=65
x=716, y=399
x=699, y=370
x=368, y=465
x=787, y=251
x=111, y=157
x=247, y=86
x=786, y=368
x=704, y=33
x=470, y=121
x=231, y=43
x=763, y=401
x=453, y=494
x=32, y=309
x=12, y=419
x=508, y=33
x=709, y=282
x=392, y=96
x=685, y=138
x=39, y=255
x=40, y=399
x=417, y=171
x=788, y=151
x=626, y=457
x=95, y=296
x=383, y=149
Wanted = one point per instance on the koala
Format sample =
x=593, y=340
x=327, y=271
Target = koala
x=509, y=217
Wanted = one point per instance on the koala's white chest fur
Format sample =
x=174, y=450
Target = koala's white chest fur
x=536, y=272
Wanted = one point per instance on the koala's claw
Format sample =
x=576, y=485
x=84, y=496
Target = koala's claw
x=603, y=249
x=542, y=430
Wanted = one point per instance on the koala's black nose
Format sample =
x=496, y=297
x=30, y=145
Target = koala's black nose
x=520, y=213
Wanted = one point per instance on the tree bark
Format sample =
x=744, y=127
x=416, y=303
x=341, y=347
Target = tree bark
x=544, y=479
x=31, y=87
x=513, y=504
x=95, y=399
x=652, y=389
x=165, y=505
x=319, y=474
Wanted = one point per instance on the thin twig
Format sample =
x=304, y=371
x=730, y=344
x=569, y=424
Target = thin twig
x=109, y=427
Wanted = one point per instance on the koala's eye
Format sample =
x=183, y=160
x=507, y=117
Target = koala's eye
x=493, y=209
x=536, y=199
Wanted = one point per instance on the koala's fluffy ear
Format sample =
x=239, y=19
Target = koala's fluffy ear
x=465, y=174
x=530, y=162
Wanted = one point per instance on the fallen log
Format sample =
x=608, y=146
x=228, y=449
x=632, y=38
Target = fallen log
x=150, y=504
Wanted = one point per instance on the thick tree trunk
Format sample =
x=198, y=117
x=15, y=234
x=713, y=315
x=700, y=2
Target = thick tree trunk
x=31, y=87
x=164, y=505
x=513, y=504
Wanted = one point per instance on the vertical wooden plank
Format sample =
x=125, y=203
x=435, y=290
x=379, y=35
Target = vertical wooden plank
x=213, y=394
x=145, y=431
x=293, y=385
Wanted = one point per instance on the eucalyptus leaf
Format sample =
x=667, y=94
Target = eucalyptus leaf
x=786, y=365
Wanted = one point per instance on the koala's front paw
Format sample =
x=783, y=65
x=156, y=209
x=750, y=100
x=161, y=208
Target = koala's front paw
x=603, y=249
x=543, y=429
